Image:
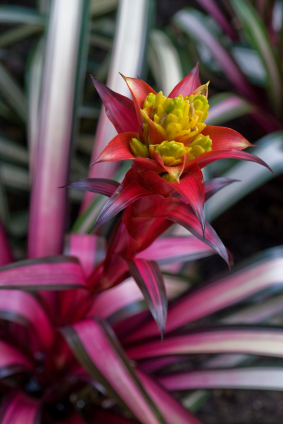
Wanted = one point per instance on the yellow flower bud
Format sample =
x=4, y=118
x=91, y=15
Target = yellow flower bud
x=138, y=149
x=171, y=152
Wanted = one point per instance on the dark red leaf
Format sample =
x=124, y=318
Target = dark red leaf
x=150, y=280
x=119, y=109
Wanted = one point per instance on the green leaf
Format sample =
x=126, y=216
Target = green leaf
x=20, y=15
x=13, y=93
x=258, y=37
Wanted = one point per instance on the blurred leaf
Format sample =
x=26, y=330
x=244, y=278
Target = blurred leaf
x=49, y=273
x=25, y=309
x=259, y=39
x=265, y=378
x=19, y=33
x=12, y=360
x=21, y=15
x=212, y=8
x=250, y=175
x=14, y=176
x=99, y=7
x=13, y=152
x=34, y=80
x=227, y=106
x=6, y=256
x=13, y=93
x=164, y=61
x=194, y=24
x=166, y=250
x=55, y=127
x=255, y=341
x=20, y=405
x=172, y=409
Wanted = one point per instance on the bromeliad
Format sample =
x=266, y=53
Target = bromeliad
x=167, y=140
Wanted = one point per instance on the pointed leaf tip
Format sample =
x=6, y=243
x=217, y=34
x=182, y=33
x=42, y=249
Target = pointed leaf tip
x=150, y=280
x=119, y=109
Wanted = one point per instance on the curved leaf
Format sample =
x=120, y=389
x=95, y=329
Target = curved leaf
x=97, y=349
x=20, y=409
x=22, y=307
x=12, y=360
x=188, y=84
x=191, y=188
x=95, y=185
x=212, y=8
x=119, y=109
x=150, y=280
x=215, y=184
x=194, y=24
x=128, y=192
x=242, y=378
x=259, y=39
x=50, y=273
x=255, y=341
x=167, y=250
x=227, y=106
x=174, y=412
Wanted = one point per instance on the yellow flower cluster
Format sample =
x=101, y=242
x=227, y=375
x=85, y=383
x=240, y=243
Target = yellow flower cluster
x=180, y=121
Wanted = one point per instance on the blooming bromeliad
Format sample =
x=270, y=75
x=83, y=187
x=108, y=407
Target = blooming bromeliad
x=167, y=140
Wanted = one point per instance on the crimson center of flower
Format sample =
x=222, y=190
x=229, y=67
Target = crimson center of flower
x=179, y=122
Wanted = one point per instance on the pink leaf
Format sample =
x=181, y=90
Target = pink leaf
x=168, y=250
x=150, y=280
x=98, y=350
x=88, y=248
x=174, y=412
x=12, y=360
x=213, y=10
x=119, y=109
x=267, y=378
x=187, y=85
x=22, y=307
x=95, y=185
x=19, y=409
x=50, y=273
x=255, y=341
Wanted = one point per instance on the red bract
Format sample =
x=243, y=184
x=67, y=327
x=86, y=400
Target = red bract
x=167, y=140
